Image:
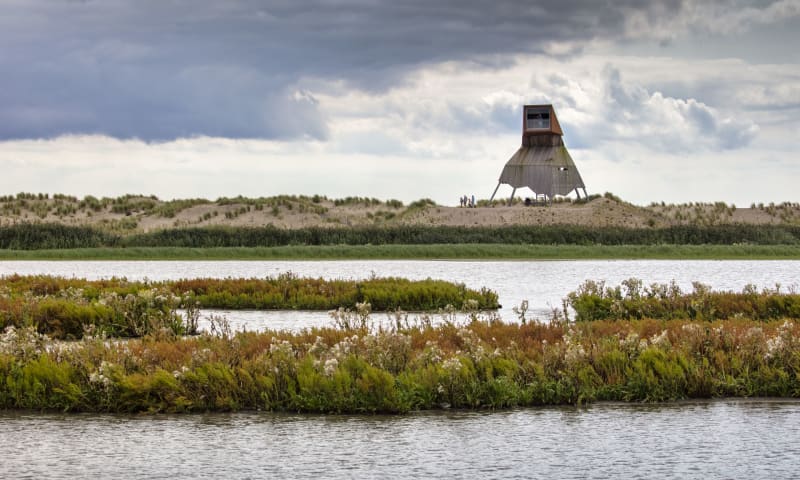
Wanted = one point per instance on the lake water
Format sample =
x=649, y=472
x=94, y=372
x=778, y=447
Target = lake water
x=543, y=283
x=708, y=440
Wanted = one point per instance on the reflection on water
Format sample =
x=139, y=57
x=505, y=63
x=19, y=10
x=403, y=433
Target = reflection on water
x=717, y=439
x=543, y=283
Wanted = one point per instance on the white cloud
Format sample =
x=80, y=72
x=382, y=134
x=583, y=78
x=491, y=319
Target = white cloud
x=634, y=114
x=449, y=129
x=770, y=96
x=444, y=108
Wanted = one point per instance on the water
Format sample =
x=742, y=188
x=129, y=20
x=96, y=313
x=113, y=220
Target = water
x=543, y=283
x=709, y=440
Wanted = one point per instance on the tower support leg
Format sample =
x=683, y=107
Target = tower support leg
x=511, y=199
x=495, y=192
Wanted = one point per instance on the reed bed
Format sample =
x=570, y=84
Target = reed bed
x=414, y=365
x=65, y=307
x=69, y=314
x=633, y=300
x=34, y=236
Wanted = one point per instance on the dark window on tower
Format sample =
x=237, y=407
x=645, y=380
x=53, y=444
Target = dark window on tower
x=537, y=120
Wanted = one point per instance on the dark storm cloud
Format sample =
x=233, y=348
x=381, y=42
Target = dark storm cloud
x=159, y=70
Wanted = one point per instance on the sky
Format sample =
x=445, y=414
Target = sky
x=671, y=100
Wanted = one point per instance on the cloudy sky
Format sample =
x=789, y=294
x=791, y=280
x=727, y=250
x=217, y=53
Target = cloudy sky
x=664, y=100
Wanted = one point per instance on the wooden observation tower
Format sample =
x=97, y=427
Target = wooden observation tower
x=542, y=163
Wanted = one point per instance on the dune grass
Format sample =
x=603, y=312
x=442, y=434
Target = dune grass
x=421, y=252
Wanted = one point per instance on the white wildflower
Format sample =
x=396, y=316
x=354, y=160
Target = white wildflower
x=574, y=353
x=284, y=347
x=691, y=328
x=330, y=366
x=452, y=365
x=631, y=342
x=432, y=353
x=774, y=346
x=661, y=339
x=318, y=348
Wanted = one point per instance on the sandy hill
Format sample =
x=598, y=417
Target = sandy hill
x=132, y=213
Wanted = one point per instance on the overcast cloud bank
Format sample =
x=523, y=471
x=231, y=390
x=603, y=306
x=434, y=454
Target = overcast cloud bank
x=346, y=96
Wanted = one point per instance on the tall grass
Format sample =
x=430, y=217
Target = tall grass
x=483, y=364
x=66, y=307
x=27, y=236
x=69, y=314
x=32, y=236
x=634, y=300
x=426, y=235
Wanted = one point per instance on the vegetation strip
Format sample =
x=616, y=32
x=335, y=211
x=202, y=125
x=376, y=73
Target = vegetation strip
x=66, y=307
x=483, y=364
x=35, y=236
x=634, y=300
x=426, y=252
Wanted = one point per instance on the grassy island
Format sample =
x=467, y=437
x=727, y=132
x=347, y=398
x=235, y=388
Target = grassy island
x=704, y=345
x=482, y=364
x=66, y=307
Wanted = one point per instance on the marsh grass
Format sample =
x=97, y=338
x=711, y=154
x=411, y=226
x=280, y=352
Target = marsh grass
x=69, y=314
x=633, y=300
x=64, y=307
x=37, y=236
x=481, y=364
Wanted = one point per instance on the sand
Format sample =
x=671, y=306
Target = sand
x=142, y=214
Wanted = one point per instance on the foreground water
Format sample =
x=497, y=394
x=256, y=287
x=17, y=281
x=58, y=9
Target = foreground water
x=542, y=283
x=716, y=439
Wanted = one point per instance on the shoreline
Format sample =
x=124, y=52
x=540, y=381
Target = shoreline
x=473, y=252
x=585, y=407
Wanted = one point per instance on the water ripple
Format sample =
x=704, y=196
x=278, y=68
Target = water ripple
x=709, y=440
